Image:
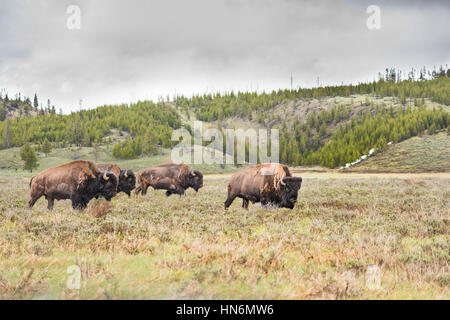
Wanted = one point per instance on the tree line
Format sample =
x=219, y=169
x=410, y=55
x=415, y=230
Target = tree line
x=330, y=138
x=434, y=85
x=146, y=123
x=354, y=138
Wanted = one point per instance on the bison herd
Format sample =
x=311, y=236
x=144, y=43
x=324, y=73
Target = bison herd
x=82, y=180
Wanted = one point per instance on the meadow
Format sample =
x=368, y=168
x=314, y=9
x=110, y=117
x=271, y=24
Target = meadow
x=426, y=153
x=343, y=227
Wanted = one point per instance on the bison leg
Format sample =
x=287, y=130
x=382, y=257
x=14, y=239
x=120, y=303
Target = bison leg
x=174, y=189
x=229, y=200
x=75, y=204
x=33, y=200
x=141, y=188
x=179, y=191
x=51, y=202
x=265, y=202
x=78, y=203
x=144, y=189
x=35, y=194
x=244, y=203
x=139, y=185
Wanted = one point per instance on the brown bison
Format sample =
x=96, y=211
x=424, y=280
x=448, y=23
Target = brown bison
x=126, y=178
x=79, y=181
x=175, y=178
x=268, y=183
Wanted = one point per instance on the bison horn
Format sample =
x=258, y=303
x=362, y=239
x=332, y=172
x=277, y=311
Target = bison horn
x=126, y=174
x=282, y=182
x=193, y=173
x=105, y=176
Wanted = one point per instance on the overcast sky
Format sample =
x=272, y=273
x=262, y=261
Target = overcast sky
x=130, y=50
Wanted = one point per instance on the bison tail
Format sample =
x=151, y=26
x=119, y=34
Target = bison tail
x=31, y=181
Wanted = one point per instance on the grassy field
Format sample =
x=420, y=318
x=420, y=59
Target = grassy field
x=428, y=153
x=11, y=164
x=189, y=247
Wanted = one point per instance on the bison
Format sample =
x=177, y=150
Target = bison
x=268, y=183
x=126, y=178
x=175, y=178
x=79, y=181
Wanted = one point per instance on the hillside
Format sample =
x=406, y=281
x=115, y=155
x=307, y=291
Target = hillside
x=290, y=110
x=326, y=126
x=331, y=126
x=16, y=109
x=428, y=153
x=218, y=106
x=11, y=164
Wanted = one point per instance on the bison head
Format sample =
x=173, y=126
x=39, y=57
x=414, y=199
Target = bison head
x=289, y=187
x=195, y=180
x=107, y=185
x=127, y=181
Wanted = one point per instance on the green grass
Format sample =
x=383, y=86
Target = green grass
x=189, y=247
x=428, y=153
x=11, y=164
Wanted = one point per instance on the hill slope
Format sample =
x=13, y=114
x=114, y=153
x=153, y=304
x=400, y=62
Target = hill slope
x=327, y=126
x=11, y=164
x=428, y=153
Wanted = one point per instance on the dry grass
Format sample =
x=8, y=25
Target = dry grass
x=188, y=247
x=428, y=153
x=99, y=209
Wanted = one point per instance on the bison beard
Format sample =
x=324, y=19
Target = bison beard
x=127, y=182
x=175, y=178
x=276, y=187
x=126, y=178
x=95, y=188
x=79, y=181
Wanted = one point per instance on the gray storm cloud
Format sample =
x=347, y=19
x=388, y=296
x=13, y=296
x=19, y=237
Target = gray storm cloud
x=129, y=50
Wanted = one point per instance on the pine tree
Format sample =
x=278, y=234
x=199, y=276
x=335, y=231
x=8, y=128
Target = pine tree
x=7, y=134
x=127, y=151
x=323, y=130
x=96, y=146
x=86, y=141
x=150, y=143
x=116, y=151
x=46, y=147
x=432, y=129
x=35, y=102
x=28, y=155
x=381, y=145
x=2, y=113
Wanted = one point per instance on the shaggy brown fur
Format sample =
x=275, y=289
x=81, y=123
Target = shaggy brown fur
x=126, y=180
x=175, y=178
x=273, y=173
x=77, y=180
x=260, y=183
x=114, y=168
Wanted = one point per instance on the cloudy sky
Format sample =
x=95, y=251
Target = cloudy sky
x=130, y=50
